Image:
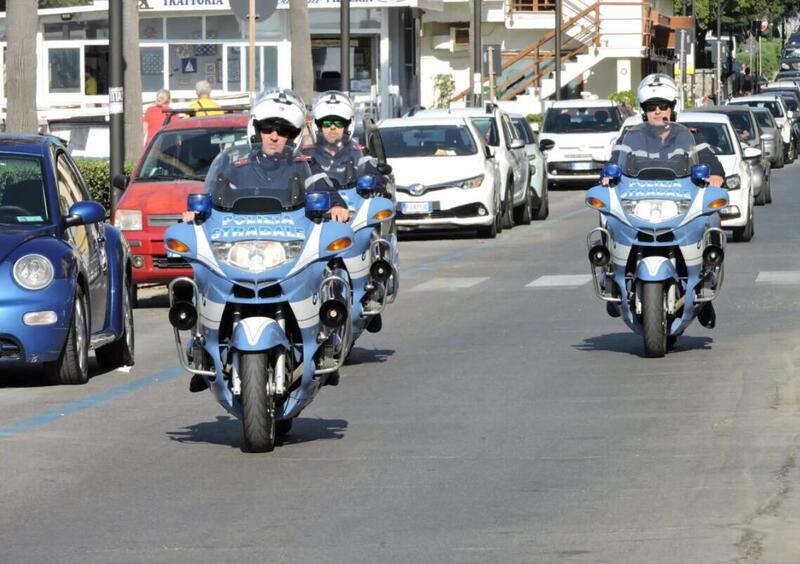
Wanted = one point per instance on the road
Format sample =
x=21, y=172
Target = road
x=500, y=416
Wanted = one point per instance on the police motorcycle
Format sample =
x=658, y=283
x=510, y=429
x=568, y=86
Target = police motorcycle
x=657, y=258
x=267, y=319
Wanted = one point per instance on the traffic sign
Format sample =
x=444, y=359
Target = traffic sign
x=264, y=8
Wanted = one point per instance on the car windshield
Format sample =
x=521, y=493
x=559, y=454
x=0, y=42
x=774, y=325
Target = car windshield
x=715, y=134
x=790, y=101
x=240, y=183
x=763, y=117
x=771, y=105
x=487, y=126
x=581, y=120
x=523, y=130
x=641, y=154
x=22, y=191
x=186, y=154
x=427, y=141
x=791, y=53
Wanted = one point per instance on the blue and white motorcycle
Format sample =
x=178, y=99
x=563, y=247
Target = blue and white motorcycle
x=372, y=261
x=269, y=310
x=657, y=259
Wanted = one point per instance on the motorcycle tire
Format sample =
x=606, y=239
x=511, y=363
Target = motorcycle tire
x=258, y=405
x=654, y=320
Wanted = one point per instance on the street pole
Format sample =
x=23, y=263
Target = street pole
x=558, y=50
x=115, y=97
x=718, y=66
x=251, y=49
x=477, y=59
x=492, y=93
x=344, y=15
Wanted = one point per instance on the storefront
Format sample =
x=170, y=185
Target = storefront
x=184, y=42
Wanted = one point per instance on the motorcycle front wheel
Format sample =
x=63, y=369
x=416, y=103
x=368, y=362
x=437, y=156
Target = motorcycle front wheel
x=258, y=403
x=654, y=319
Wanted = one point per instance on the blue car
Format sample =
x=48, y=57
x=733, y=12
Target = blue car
x=65, y=274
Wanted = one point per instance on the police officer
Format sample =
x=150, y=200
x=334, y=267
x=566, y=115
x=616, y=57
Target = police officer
x=334, y=151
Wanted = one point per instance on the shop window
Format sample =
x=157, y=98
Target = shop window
x=185, y=28
x=152, y=66
x=266, y=68
x=191, y=63
x=234, y=78
x=329, y=20
x=64, y=70
x=326, y=56
x=95, y=68
x=65, y=30
x=223, y=27
x=97, y=29
x=269, y=29
x=151, y=28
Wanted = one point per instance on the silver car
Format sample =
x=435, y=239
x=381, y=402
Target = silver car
x=771, y=135
x=538, y=163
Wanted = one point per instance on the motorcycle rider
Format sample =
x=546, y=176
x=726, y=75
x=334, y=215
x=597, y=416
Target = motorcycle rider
x=275, y=131
x=334, y=151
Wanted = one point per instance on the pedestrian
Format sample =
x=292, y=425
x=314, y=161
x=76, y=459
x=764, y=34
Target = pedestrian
x=203, y=89
x=90, y=84
x=154, y=117
x=748, y=84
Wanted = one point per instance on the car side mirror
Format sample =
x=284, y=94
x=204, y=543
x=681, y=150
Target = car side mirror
x=120, y=181
x=487, y=150
x=751, y=153
x=85, y=213
x=790, y=114
x=516, y=144
x=546, y=144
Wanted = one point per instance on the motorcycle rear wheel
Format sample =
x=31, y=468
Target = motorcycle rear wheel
x=654, y=320
x=258, y=404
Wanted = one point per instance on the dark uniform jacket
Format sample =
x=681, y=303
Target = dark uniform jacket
x=349, y=158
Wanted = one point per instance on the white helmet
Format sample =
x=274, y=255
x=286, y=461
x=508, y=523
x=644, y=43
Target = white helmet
x=334, y=104
x=657, y=87
x=276, y=108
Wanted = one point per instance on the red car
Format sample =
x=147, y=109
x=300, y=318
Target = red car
x=173, y=166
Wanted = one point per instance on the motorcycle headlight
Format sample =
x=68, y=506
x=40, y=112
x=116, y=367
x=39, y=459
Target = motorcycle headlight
x=733, y=182
x=33, y=272
x=128, y=220
x=656, y=211
x=257, y=255
x=474, y=182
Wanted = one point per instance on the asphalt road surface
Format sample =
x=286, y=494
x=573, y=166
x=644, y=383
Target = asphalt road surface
x=500, y=416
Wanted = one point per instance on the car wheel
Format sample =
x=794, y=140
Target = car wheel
x=761, y=199
x=769, y=193
x=120, y=352
x=134, y=296
x=744, y=234
x=522, y=214
x=791, y=153
x=544, y=206
x=508, y=209
x=72, y=367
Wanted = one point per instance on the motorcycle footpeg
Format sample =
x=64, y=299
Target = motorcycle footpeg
x=197, y=384
x=707, y=316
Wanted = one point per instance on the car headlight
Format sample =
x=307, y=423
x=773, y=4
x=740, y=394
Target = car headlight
x=128, y=220
x=474, y=182
x=33, y=272
x=733, y=182
x=257, y=255
x=656, y=211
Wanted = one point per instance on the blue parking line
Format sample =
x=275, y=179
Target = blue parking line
x=89, y=401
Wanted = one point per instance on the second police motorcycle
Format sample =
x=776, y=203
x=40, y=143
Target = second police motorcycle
x=269, y=312
x=657, y=258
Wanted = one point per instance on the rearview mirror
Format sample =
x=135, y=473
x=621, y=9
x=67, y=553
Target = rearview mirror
x=546, y=144
x=84, y=213
x=516, y=144
x=120, y=181
x=384, y=168
x=751, y=153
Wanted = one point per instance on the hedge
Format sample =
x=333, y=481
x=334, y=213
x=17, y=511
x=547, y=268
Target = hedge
x=98, y=180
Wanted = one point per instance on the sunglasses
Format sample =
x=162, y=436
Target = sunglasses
x=325, y=123
x=651, y=106
x=281, y=130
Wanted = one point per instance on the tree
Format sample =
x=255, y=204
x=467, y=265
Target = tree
x=134, y=130
x=302, y=65
x=22, y=22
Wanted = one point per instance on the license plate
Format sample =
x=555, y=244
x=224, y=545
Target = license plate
x=582, y=166
x=416, y=207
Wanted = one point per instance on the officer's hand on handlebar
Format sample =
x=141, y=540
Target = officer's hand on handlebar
x=716, y=180
x=188, y=216
x=338, y=213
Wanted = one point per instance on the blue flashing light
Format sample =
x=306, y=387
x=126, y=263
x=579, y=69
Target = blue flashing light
x=700, y=172
x=366, y=182
x=200, y=204
x=612, y=170
x=318, y=202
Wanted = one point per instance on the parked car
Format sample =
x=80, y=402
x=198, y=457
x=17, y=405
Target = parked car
x=790, y=58
x=173, y=165
x=773, y=142
x=538, y=164
x=65, y=274
x=578, y=129
x=498, y=132
x=446, y=175
x=790, y=94
x=718, y=131
x=783, y=117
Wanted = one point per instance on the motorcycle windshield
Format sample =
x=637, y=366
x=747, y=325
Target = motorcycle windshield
x=644, y=154
x=243, y=181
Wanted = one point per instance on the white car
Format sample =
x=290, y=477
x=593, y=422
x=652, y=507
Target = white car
x=777, y=107
x=538, y=164
x=445, y=175
x=579, y=130
x=498, y=132
x=717, y=131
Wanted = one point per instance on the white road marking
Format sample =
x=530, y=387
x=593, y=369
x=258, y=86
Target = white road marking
x=559, y=280
x=448, y=284
x=778, y=277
